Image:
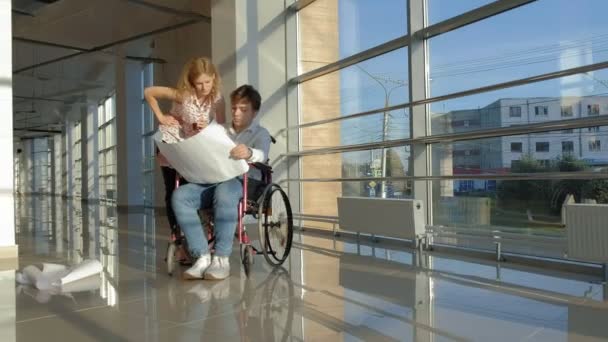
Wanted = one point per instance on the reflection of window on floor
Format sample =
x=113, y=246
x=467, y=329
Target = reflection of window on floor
x=516, y=147
x=595, y=146
x=593, y=109
x=108, y=242
x=541, y=110
x=542, y=146
x=515, y=112
x=567, y=111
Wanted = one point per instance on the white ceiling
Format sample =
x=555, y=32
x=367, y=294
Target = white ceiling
x=69, y=84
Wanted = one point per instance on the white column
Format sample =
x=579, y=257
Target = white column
x=249, y=46
x=128, y=133
x=8, y=333
x=421, y=154
x=8, y=249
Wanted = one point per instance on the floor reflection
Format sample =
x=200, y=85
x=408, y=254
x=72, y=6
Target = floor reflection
x=329, y=289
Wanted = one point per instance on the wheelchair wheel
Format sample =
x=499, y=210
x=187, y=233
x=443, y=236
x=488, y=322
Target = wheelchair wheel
x=170, y=258
x=247, y=258
x=275, y=224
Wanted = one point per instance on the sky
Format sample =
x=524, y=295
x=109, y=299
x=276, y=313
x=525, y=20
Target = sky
x=541, y=37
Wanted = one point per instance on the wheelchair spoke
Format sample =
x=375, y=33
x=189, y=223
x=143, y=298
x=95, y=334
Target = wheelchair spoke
x=276, y=226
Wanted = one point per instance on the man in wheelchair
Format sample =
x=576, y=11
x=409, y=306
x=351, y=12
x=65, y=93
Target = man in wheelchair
x=253, y=142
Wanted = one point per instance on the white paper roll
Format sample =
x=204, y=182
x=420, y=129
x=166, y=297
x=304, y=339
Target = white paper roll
x=87, y=284
x=29, y=275
x=85, y=269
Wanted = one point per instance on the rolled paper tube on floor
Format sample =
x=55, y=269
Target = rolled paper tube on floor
x=52, y=268
x=29, y=275
x=85, y=269
x=54, y=272
x=87, y=284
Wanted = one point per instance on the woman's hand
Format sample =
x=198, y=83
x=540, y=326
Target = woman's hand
x=200, y=125
x=168, y=120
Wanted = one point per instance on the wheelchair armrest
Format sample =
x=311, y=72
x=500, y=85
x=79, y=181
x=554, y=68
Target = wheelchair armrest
x=262, y=167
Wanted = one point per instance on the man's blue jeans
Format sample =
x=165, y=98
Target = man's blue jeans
x=224, y=199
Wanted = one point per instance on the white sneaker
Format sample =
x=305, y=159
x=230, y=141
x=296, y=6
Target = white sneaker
x=219, y=269
x=198, y=269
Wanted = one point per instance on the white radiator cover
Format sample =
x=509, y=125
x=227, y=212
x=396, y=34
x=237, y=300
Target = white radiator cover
x=397, y=218
x=587, y=229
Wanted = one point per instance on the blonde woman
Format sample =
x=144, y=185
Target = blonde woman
x=197, y=100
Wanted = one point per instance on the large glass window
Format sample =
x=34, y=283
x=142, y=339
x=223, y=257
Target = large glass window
x=341, y=28
x=517, y=44
x=439, y=10
x=77, y=159
x=473, y=186
x=39, y=171
x=551, y=100
x=107, y=149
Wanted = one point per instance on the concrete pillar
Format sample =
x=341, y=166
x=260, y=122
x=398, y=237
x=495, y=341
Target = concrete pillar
x=8, y=249
x=128, y=132
x=320, y=99
x=8, y=303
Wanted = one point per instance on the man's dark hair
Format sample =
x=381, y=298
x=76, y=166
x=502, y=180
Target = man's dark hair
x=249, y=93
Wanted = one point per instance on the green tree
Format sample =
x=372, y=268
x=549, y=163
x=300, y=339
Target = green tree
x=526, y=193
x=596, y=189
x=394, y=168
x=562, y=188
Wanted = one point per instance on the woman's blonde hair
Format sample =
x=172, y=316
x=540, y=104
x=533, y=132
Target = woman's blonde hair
x=193, y=69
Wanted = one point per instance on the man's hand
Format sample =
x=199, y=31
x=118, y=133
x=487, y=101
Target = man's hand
x=241, y=151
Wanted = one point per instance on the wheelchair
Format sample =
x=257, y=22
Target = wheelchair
x=263, y=200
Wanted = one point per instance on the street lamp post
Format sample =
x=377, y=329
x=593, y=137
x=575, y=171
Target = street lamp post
x=387, y=95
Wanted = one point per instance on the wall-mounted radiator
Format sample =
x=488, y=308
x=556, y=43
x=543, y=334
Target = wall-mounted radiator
x=397, y=218
x=587, y=229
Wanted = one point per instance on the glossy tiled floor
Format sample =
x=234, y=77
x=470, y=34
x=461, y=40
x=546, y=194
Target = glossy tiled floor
x=328, y=291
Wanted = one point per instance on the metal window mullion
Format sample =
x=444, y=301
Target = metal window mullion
x=470, y=17
x=293, y=142
x=299, y=5
x=577, y=175
x=420, y=156
x=498, y=132
x=475, y=91
x=375, y=51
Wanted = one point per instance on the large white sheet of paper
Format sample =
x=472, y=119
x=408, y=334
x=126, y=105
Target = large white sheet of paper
x=205, y=157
